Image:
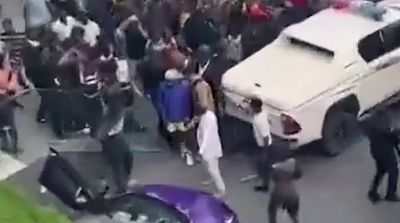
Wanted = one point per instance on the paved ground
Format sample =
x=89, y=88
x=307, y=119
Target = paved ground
x=332, y=189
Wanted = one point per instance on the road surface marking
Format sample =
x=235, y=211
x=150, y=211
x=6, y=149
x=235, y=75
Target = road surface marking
x=9, y=166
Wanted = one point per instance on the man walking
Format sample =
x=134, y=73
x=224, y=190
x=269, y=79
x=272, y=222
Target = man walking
x=266, y=153
x=210, y=147
x=284, y=194
x=383, y=142
x=262, y=135
x=110, y=132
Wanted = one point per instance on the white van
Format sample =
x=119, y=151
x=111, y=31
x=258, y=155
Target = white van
x=320, y=75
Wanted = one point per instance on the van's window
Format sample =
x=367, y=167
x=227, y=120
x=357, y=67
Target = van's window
x=303, y=44
x=380, y=42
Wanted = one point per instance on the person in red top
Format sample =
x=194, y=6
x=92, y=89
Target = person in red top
x=9, y=88
x=255, y=10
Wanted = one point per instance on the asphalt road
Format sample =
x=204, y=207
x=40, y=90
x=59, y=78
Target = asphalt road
x=333, y=190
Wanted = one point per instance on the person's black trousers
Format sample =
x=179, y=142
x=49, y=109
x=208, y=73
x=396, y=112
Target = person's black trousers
x=385, y=164
x=289, y=202
x=265, y=157
x=7, y=118
x=118, y=154
x=91, y=112
x=58, y=117
x=263, y=165
x=45, y=104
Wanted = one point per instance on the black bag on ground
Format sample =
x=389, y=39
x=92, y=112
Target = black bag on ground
x=60, y=178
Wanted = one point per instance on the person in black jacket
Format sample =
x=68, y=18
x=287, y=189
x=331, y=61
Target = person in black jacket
x=384, y=145
x=211, y=68
x=40, y=68
x=200, y=29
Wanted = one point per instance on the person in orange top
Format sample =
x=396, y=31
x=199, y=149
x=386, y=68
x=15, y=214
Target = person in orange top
x=8, y=80
x=9, y=87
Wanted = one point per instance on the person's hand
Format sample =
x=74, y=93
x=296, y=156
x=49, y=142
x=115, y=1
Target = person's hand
x=10, y=92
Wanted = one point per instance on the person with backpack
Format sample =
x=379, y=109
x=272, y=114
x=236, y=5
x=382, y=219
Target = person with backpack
x=175, y=98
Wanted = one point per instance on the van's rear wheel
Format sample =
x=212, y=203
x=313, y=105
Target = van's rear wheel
x=340, y=131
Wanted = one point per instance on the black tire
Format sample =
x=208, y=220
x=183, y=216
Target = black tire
x=340, y=131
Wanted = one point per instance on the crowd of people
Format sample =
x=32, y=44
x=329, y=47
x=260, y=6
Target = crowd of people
x=89, y=59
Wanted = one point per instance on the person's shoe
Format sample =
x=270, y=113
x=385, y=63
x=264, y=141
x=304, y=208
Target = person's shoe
x=41, y=120
x=392, y=198
x=86, y=131
x=189, y=159
x=261, y=188
x=374, y=197
x=206, y=182
x=140, y=128
x=220, y=195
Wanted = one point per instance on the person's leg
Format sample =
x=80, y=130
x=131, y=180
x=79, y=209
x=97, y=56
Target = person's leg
x=263, y=166
x=393, y=172
x=380, y=172
x=293, y=207
x=115, y=157
x=212, y=165
x=272, y=208
x=131, y=124
x=128, y=157
x=94, y=113
x=10, y=121
x=43, y=107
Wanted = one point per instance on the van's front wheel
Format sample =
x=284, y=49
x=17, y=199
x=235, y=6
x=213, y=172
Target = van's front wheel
x=339, y=132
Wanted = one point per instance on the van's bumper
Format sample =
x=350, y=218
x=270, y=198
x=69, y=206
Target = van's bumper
x=233, y=107
x=293, y=143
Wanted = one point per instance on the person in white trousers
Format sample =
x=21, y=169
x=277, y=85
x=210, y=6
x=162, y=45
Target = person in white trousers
x=210, y=147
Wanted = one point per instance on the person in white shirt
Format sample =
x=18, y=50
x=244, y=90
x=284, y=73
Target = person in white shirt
x=262, y=136
x=63, y=25
x=92, y=29
x=210, y=147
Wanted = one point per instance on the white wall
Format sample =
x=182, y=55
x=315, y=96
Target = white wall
x=13, y=9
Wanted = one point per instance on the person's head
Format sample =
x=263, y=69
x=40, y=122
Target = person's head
x=82, y=17
x=256, y=105
x=106, y=49
x=155, y=36
x=8, y=25
x=107, y=72
x=167, y=34
x=77, y=34
x=191, y=70
x=49, y=37
x=62, y=15
x=35, y=33
x=204, y=54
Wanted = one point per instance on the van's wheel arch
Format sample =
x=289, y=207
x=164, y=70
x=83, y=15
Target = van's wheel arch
x=340, y=129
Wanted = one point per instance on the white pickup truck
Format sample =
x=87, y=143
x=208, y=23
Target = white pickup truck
x=320, y=75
